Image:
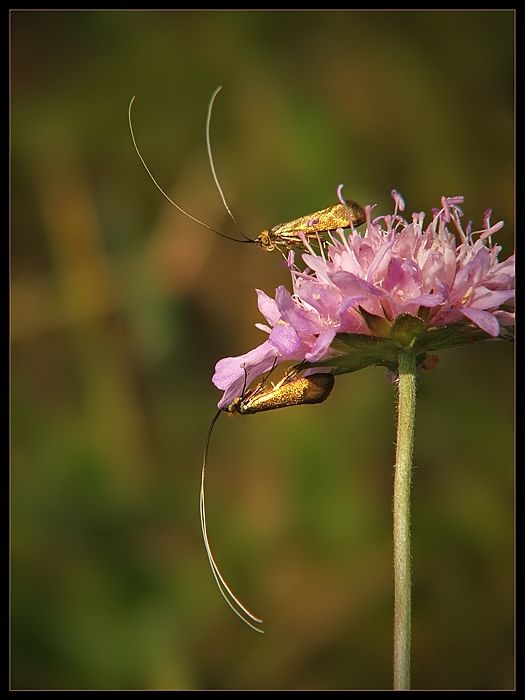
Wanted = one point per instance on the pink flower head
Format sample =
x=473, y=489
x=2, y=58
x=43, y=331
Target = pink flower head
x=362, y=295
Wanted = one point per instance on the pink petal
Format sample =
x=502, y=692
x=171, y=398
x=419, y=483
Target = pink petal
x=484, y=319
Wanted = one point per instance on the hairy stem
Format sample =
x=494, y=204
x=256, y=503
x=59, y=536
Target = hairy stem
x=401, y=508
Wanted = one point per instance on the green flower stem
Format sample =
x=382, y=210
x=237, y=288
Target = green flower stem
x=402, y=479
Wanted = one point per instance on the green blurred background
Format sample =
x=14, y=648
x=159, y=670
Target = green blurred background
x=120, y=307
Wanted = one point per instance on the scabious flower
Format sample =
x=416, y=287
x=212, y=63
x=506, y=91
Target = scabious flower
x=362, y=297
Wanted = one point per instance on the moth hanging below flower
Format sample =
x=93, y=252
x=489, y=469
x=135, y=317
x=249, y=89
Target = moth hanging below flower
x=300, y=391
x=345, y=214
x=290, y=391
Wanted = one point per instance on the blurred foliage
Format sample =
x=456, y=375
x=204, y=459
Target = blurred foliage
x=120, y=307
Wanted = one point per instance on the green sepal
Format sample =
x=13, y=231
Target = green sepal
x=378, y=325
x=406, y=329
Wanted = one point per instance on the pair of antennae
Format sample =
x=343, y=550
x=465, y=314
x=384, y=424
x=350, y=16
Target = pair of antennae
x=235, y=604
x=212, y=166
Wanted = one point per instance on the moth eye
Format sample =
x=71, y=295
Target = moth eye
x=265, y=241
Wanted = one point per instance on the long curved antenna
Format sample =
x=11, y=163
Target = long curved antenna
x=235, y=604
x=212, y=165
x=193, y=218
